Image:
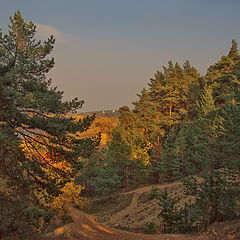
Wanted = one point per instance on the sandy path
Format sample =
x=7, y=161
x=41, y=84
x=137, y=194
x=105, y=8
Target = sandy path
x=86, y=228
x=148, y=188
x=117, y=217
x=133, y=207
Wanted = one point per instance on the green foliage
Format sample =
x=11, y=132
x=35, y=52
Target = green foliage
x=20, y=216
x=169, y=213
x=169, y=166
x=35, y=134
x=151, y=228
x=186, y=149
x=100, y=175
x=147, y=112
x=227, y=143
x=106, y=178
x=176, y=219
x=192, y=123
x=154, y=193
x=206, y=101
x=129, y=149
x=170, y=92
x=208, y=145
x=164, y=105
x=216, y=196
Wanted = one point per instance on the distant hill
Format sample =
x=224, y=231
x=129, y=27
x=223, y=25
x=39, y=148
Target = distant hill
x=103, y=113
x=104, y=123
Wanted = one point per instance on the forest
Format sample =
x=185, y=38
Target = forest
x=183, y=128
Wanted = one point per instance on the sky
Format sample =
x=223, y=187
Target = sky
x=107, y=50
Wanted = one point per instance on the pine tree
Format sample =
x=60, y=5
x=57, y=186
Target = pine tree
x=131, y=136
x=100, y=175
x=233, y=52
x=119, y=153
x=33, y=122
x=174, y=92
x=186, y=147
x=172, y=97
x=169, y=213
x=216, y=195
x=133, y=132
x=194, y=84
x=206, y=103
x=227, y=142
x=168, y=165
x=147, y=112
x=217, y=191
x=227, y=65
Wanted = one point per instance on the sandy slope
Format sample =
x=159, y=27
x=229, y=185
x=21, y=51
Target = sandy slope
x=138, y=213
x=86, y=228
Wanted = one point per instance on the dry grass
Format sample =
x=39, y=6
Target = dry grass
x=132, y=210
x=109, y=206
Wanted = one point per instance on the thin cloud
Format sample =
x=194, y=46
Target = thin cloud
x=44, y=31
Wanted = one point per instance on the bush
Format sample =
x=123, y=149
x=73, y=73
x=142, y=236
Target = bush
x=175, y=219
x=151, y=228
x=70, y=194
x=154, y=193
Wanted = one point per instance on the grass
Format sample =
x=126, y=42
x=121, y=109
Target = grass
x=145, y=197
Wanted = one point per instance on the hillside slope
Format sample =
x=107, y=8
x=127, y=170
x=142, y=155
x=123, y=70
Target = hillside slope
x=85, y=227
x=138, y=212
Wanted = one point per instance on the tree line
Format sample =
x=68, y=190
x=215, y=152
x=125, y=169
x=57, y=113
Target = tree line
x=40, y=148
x=184, y=126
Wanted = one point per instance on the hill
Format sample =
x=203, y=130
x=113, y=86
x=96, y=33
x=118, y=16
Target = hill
x=124, y=208
x=102, y=113
x=103, y=124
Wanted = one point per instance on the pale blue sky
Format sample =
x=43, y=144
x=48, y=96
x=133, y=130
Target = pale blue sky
x=107, y=50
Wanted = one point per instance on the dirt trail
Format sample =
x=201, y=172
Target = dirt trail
x=148, y=188
x=116, y=218
x=142, y=190
x=136, y=214
x=85, y=227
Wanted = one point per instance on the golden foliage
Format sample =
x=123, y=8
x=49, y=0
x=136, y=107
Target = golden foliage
x=142, y=153
x=103, y=125
x=70, y=195
x=104, y=139
x=6, y=190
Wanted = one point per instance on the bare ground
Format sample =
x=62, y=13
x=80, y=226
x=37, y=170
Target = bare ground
x=134, y=215
x=138, y=213
x=85, y=227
